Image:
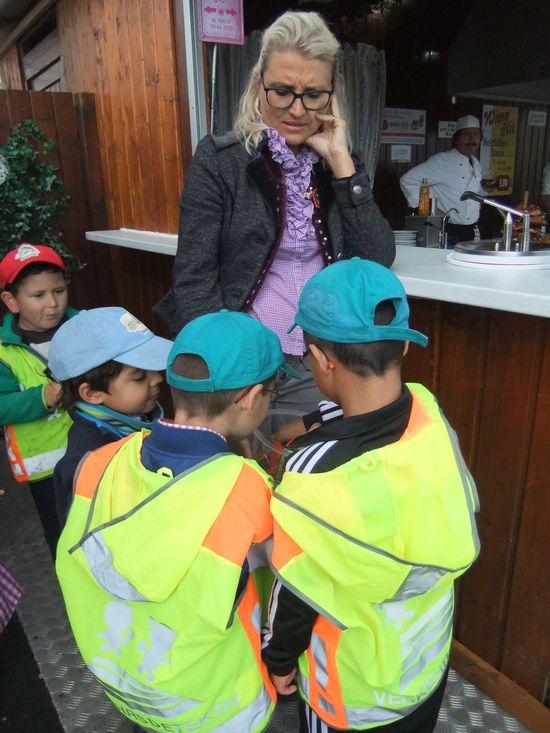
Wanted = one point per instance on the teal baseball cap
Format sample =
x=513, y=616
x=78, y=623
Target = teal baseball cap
x=338, y=304
x=238, y=350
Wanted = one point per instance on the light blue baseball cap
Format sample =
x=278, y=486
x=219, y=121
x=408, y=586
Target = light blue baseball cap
x=338, y=304
x=238, y=350
x=93, y=337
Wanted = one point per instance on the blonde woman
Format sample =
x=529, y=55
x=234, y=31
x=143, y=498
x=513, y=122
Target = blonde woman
x=271, y=203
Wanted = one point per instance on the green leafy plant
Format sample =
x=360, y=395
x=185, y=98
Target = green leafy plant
x=33, y=198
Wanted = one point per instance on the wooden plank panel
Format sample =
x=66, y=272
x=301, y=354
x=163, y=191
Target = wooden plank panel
x=124, y=52
x=526, y=657
x=168, y=114
x=143, y=130
x=422, y=364
x=511, y=365
x=10, y=69
x=85, y=288
x=19, y=106
x=93, y=178
x=43, y=115
x=5, y=125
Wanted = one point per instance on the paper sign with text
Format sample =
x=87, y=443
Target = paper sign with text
x=499, y=126
x=403, y=126
x=221, y=21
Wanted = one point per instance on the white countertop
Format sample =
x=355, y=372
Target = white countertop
x=425, y=273
x=164, y=244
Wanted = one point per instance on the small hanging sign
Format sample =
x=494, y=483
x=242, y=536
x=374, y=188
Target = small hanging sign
x=221, y=21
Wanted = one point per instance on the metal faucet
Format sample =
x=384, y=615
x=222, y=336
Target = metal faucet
x=507, y=213
x=442, y=232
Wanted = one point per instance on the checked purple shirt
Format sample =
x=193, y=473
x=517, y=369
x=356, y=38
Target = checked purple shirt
x=298, y=256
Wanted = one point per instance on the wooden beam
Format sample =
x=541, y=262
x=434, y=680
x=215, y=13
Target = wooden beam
x=510, y=696
x=26, y=24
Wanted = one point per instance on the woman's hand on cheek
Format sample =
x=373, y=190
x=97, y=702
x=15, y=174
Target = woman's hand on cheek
x=330, y=143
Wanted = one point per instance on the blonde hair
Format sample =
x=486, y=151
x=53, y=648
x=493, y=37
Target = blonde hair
x=306, y=33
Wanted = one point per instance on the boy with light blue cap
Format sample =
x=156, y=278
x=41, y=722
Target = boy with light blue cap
x=108, y=364
x=373, y=520
x=160, y=531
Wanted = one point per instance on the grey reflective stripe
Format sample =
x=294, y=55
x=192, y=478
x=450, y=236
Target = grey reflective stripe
x=359, y=717
x=257, y=618
x=427, y=656
x=43, y=461
x=319, y=651
x=355, y=541
x=248, y=719
x=438, y=610
x=100, y=562
x=135, y=508
x=431, y=633
x=324, y=704
x=130, y=691
x=306, y=599
x=419, y=580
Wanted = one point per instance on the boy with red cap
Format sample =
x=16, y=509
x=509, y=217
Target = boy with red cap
x=34, y=290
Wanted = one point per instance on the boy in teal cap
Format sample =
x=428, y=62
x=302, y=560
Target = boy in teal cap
x=153, y=559
x=373, y=521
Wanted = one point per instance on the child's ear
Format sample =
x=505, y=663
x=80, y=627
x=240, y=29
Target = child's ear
x=406, y=347
x=322, y=361
x=248, y=402
x=93, y=396
x=9, y=301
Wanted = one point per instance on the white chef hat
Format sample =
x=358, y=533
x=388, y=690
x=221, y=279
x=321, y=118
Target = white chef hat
x=467, y=121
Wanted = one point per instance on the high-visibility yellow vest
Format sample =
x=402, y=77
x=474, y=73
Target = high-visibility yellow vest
x=375, y=546
x=33, y=447
x=149, y=566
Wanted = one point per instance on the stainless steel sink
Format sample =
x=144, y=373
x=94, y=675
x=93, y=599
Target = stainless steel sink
x=496, y=248
x=491, y=253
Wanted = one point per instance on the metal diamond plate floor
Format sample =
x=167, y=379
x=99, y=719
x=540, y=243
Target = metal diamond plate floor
x=81, y=705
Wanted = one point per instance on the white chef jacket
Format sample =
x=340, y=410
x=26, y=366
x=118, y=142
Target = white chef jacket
x=545, y=190
x=448, y=175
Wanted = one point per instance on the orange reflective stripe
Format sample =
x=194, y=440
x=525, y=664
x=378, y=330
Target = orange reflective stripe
x=419, y=419
x=245, y=612
x=331, y=692
x=284, y=547
x=93, y=468
x=244, y=519
x=14, y=456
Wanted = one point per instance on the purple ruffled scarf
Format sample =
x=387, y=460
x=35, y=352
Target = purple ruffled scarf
x=296, y=169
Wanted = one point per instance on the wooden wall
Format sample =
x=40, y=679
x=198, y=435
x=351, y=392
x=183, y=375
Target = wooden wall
x=70, y=120
x=124, y=52
x=10, y=69
x=491, y=373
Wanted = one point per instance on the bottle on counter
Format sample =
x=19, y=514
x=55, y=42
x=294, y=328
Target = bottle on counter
x=424, y=198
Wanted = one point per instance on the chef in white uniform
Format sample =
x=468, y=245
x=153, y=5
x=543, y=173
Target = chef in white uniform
x=448, y=175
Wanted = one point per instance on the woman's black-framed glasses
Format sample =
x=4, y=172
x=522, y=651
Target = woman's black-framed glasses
x=283, y=98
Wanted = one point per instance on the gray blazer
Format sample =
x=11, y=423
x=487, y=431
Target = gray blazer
x=232, y=208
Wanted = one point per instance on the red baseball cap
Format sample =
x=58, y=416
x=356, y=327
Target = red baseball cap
x=26, y=254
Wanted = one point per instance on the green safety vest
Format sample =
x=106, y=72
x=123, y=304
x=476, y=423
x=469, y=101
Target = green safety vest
x=33, y=447
x=149, y=567
x=375, y=546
